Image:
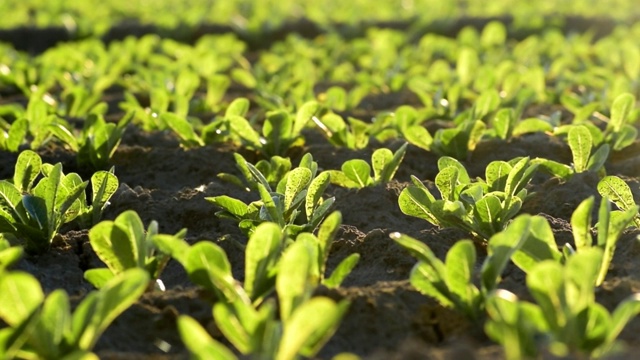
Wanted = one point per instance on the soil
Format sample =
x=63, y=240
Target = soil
x=387, y=318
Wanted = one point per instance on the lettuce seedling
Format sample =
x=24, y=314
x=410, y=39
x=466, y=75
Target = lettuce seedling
x=296, y=204
x=280, y=130
x=451, y=282
x=274, y=170
x=45, y=328
x=35, y=213
x=96, y=143
x=541, y=244
x=584, y=158
x=565, y=317
x=618, y=191
x=255, y=328
x=482, y=208
x=457, y=142
x=123, y=244
x=103, y=185
x=356, y=173
x=351, y=134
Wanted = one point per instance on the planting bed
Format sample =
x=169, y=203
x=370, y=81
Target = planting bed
x=387, y=317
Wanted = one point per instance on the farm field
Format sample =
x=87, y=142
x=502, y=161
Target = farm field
x=220, y=180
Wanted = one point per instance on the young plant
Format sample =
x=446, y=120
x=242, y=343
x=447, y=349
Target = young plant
x=351, y=134
x=274, y=170
x=280, y=131
x=584, y=158
x=34, y=214
x=123, y=244
x=457, y=142
x=262, y=255
x=482, y=208
x=256, y=329
x=103, y=185
x=45, y=328
x=541, y=244
x=451, y=282
x=356, y=173
x=566, y=317
x=296, y=205
x=96, y=143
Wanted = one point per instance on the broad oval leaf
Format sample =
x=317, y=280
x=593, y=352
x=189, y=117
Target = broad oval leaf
x=27, y=168
x=261, y=256
x=297, y=180
x=359, y=171
x=305, y=332
x=199, y=342
x=580, y=142
x=21, y=296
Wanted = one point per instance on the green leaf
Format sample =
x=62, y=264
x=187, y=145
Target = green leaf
x=235, y=207
x=546, y=284
x=502, y=246
x=27, y=168
x=293, y=281
x=110, y=301
x=208, y=266
x=261, y=256
x=628, y=309
x=540, y=245
x=341, y=271
x=446, y=181
x=275, y=212
x=17, y=134
x=580, y=142
x=418, y=136
x=243, y=129
x=103, y=185
x=617, y=191
x=120, y=243
x=232, y=327
x=598, y=158
x=416, y=201
x=21, y=296
x=581, y=224
x=487, y=215
x=496, y=175
x=620, y=110
x=305, y=332
x=503, y=123
x=379, y=161
x=447, y=161
x=460, y=263
x=98, y=277
x=297, y=180
x=326, y=233
x=314, y=192
x=238, y=107
x=554, y=168
x=54, y=323
x=200, y=344
x=304, y=114
x=359, y=171
x=387, y=167
x=183, y=128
